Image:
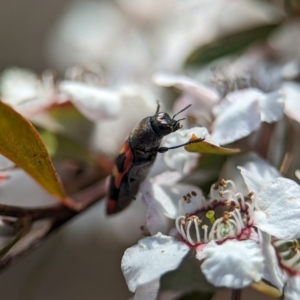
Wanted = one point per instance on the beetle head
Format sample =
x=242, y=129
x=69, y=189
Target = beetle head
x=162, y=124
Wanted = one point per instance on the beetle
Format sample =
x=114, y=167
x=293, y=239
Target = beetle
x=137, y=156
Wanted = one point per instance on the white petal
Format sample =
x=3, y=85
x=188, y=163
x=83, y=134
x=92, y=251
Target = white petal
x=179, y=159
x=292, y=289
x=272, y=271
x=257, y=174
x=94, y=102
x=291, y=90
x=148, y=291
x=230, y=169
x=165, y=198
x=238, y=96
x=272, y=107
x=237, y=121
x=196, y=203
x=297, y=173
x=156, y=221
x=18, y=85
x=279, y=204
x=233, y=264
x=186, y=84
x=167, y=178
x=151, y=258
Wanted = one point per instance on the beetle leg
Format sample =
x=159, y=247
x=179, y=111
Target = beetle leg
x=165, y=149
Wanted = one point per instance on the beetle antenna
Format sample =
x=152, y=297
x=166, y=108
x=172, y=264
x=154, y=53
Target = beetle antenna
x=158, y=107
x=179, y=120
x=182, y=111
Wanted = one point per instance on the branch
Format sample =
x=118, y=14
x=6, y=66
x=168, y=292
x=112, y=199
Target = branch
x=46, y=220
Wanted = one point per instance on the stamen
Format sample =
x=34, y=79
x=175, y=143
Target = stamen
x=242, y=199
x=293, y=261
x=239, y=220
x=212, y=231
x=205, y=227
x=285, y=253
x=232, y=184
x=182, y=231
x=214, y=191
x=189, y=238
x=196, y=222
x=211, y=216
x=178, y=223
x=279, y=243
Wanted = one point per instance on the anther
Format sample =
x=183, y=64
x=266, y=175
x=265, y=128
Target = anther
x=250, y=195
x=222, y=183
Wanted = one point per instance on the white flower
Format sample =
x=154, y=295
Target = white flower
x=26, y=92
x=277, y=200
x=210, y=227
x=179, y=159
x=291, y=91
x=236, y=116
x=277, y=212
x=242, y=112
x=94, y=102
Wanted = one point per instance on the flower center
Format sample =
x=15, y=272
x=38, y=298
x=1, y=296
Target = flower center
x=226, y=214
x=288, y=254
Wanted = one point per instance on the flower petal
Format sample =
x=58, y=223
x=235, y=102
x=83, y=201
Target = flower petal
x=257, y=174
x=292, y=288
x=236, y=121
x=279, y=204
x=150, y=258
x=272, y=107
x=186, y=84
x=291, y=91
x=233, y=264
x=165, y=198
x=156, y=221
x=272, y=271
x=94, y=102
x=147, y=291
x=179, y=159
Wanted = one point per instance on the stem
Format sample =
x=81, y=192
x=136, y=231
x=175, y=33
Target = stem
x=49, y=219
x=291, y=147
x=236, y=294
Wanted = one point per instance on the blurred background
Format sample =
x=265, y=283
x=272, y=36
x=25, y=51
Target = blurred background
x=128, y=40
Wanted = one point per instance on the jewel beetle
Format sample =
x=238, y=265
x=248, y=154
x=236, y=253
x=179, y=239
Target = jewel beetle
x=137, y=156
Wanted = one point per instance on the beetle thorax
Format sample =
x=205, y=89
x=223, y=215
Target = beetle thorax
x=143, y=137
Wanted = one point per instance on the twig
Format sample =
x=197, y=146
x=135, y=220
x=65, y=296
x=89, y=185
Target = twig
x=46, y=221
x=236, y=294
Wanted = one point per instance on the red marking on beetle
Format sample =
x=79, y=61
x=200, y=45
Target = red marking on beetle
x=127, y=164
x=111, y=206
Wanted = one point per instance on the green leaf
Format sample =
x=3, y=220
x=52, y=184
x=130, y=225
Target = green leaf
x=230, y=44
x=206, y=147
x=187, y=278
x=21, y=143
